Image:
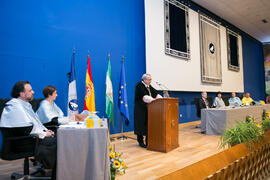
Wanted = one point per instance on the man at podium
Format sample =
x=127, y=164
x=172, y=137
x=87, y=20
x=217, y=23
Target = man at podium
x=144, y=94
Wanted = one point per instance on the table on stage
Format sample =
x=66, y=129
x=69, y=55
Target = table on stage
x=83, y=153
x=214, y=121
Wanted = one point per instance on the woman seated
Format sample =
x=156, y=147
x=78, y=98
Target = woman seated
x=218, y=102
x=49, y=113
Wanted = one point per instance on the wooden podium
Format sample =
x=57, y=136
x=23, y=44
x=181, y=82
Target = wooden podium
x=163, y=124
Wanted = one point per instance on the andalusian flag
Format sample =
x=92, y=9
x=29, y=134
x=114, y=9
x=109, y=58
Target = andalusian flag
x=109, y=94
x=89, y=100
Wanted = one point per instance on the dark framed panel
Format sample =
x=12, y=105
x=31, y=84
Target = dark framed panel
x=233, y=50
x=176, y=29
x=211, y=69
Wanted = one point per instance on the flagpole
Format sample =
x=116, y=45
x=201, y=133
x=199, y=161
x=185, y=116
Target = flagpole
x=109, y=129
x=122, y=137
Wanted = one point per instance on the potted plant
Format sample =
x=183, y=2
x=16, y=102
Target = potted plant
x=244, y=132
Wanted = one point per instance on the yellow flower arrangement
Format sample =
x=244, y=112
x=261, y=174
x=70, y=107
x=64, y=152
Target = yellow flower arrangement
x=265, y=115
x=249, y=118
x=265, y=120
x=118, y=165
x=123, y=164
x=259, y=125
x=112, y=155
x=111, y=148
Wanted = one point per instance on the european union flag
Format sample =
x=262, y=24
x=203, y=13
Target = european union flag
x=122, y=98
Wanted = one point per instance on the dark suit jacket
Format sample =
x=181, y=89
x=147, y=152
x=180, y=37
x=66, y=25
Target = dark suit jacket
x=201, y=105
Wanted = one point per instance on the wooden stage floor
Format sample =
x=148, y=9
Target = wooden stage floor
x=144, y=164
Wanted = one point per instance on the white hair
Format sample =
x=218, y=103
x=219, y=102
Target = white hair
x=145, y=76
x=203, y=92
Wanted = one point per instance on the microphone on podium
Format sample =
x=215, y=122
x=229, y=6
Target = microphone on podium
x=164, y=89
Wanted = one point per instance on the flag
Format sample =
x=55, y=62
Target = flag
x=89, y=100
x=72, y=92
x=109, y=94
x=122, y=98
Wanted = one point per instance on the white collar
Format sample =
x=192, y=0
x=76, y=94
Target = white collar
x=145, y=84
x=24, y=102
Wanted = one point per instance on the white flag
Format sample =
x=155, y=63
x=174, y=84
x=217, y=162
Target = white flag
x=72, y=108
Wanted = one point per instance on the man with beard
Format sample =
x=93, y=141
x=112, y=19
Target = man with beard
x=18, y=112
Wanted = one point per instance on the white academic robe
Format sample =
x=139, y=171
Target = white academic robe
x=47, y=111
x=19, y=113
x=218, y=102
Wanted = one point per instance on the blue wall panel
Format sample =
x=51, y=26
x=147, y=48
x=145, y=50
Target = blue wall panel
x=37, y=37
x=253, y=62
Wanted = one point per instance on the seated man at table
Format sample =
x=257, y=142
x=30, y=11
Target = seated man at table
x=203, y=103
x=18, y=112
x=234, y=100
x=247, y=100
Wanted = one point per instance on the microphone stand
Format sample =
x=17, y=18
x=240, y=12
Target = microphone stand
x=164, y=89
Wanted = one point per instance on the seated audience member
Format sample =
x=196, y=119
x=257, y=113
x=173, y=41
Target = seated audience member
x=267, y=99
x=247, y=100
x=18, y=112
x=218, y=102
x=48, y=112
x=234, y=101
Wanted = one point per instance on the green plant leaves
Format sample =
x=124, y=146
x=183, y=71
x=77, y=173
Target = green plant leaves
x=244, y=132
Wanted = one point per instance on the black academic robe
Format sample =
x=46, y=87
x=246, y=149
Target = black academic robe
x=140, y=110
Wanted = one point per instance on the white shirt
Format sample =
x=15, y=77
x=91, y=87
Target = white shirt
x=147, y=98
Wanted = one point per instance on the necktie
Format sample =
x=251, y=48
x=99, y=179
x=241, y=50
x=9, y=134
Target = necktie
x=148, y=89
x=206, y=103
